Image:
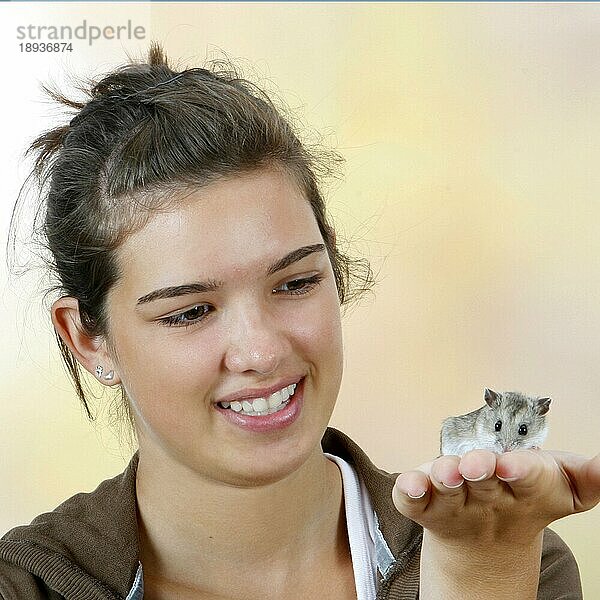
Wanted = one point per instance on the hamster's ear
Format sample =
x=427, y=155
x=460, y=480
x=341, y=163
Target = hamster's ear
x=543, y=405
x=492, y=398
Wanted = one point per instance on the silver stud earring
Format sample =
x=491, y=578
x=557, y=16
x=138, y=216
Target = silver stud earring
x=99, y=370
x=109, y=376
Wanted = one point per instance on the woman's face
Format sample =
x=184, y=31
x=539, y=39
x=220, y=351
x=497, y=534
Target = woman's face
x=248, y=307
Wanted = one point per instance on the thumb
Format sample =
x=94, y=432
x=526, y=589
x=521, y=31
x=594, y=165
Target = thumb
x=583, y=475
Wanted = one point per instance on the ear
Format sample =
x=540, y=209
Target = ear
x=88, y=351
x=492, y=398
x=543, y=405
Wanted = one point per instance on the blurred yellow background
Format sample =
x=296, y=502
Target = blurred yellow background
x=471, y=133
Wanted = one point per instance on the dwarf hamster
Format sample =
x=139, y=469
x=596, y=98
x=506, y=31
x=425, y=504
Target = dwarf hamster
x=508, y=421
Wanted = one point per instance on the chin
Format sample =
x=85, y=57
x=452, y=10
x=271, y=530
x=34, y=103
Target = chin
x=260, y=473
x=268, y=466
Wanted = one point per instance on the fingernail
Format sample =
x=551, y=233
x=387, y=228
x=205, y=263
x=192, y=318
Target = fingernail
x=480, y=478
x=507, y=479
x=453, y=487
x=416, y=497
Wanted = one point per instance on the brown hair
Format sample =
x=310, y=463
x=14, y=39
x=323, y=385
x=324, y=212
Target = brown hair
x=146, y=129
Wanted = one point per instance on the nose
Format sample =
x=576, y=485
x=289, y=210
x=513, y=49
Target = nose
x=256, y=343
x=509, y=446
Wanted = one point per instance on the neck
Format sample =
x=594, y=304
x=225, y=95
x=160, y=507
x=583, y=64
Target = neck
x=197, y=532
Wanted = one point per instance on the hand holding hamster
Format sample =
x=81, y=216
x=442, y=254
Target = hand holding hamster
x=508, y=421
x=484, y=511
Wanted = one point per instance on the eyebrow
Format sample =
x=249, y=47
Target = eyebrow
x=200, y=287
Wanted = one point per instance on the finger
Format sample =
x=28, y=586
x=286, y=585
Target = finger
x=583, y=476
x=524, y=470
x=411, y=493
x=478, y=468
x=445, y=476
x=414, y=484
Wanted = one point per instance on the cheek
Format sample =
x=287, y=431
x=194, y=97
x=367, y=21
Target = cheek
x=164, y=372
x=318, y=332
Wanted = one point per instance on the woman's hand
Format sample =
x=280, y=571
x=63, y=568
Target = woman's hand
x=484, y=514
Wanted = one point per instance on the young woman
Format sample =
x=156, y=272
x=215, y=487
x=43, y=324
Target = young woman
x=199, y=274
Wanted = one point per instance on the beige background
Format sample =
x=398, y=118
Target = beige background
x=472, y=146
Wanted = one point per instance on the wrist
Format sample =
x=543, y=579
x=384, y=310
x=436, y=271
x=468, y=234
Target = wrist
x=452, y=569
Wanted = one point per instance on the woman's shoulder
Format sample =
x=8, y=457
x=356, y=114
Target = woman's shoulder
x=107, y=509
x=89, y=540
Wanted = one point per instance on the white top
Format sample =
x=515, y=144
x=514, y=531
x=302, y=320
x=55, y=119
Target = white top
x=360, y=522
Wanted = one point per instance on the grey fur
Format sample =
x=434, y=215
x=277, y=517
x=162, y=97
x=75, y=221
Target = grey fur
x=476, y=430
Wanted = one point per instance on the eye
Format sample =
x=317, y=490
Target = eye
x=187, y=318
x=523, y=430
x=498, y=426
x=299, y=286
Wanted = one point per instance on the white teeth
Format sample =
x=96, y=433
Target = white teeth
x=274, y=400
x=259, y=404
x=262, y=406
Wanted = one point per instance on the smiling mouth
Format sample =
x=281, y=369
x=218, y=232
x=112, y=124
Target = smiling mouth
x=259, y=407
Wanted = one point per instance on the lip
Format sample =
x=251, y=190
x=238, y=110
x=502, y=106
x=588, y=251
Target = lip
x=267, y=423
x=252, y=394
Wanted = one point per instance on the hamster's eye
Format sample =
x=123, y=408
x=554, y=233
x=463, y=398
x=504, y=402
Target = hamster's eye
x=498, y=425
x=523, y=430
